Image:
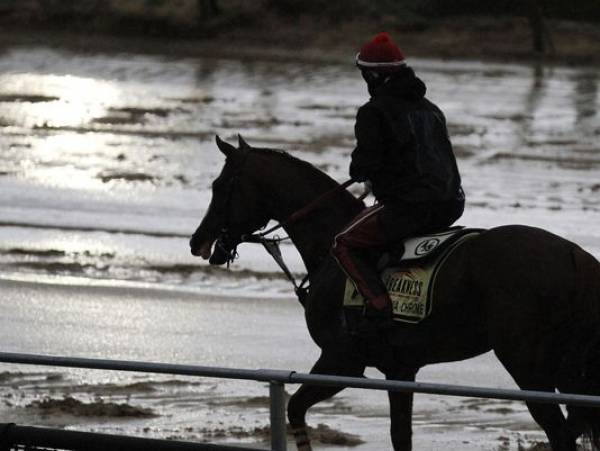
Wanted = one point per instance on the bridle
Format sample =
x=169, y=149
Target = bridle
x=225, y=250
x=226, y=244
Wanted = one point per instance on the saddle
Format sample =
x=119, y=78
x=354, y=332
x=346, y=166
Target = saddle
x=409, y=272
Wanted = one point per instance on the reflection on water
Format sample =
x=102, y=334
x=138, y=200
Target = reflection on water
x=124, y=142
x=103, y=144
x=127, y=137
x=69, y=99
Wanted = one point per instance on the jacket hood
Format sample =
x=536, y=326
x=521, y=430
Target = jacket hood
x=404, y=84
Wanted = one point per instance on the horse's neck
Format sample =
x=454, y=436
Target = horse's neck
x=313, y=234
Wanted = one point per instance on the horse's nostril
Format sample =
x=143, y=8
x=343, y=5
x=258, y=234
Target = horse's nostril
x=204, y=251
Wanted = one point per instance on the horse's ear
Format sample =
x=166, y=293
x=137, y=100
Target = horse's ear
x=242, y=144
x=227, y=149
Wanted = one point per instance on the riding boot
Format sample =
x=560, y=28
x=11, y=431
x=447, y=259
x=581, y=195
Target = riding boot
x=377, y=317
x=379, y=311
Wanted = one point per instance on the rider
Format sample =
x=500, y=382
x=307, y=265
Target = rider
x=403, y=152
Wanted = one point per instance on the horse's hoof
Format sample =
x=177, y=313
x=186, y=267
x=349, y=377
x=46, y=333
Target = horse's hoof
x=301, y=438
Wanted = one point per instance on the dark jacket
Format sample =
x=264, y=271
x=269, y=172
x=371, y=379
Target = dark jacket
x=403, y=147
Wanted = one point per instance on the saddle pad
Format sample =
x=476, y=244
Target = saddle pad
x=410, y=285
x=422, y=246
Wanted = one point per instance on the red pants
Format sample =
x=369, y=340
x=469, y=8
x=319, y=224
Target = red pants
x=360, y=244
x=353, y=248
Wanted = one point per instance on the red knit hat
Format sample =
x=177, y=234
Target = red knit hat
x=381, y=53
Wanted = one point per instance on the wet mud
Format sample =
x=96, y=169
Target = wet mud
x=116, y=131
x=328, y=436
x=135, y=115
x=74, y=407
x=86, y=228
x=56, y=397
x=542, y=446
x=26, y=395
x=35, y=252
x=150, y=272
x=322, y=434
x=126, y=177
x=26, y=98
x=107, y=265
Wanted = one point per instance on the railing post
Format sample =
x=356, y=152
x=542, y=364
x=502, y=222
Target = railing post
x=278, y=421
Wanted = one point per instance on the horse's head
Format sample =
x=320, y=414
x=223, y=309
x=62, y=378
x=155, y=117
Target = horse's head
x=237, y=207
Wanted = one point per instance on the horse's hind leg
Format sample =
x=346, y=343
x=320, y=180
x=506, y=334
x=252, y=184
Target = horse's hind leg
x=548, y=416
x=332, y=362
x=552, y=420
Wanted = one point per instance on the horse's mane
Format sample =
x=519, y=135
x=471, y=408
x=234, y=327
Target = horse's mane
x=301, y=184
x=308, y=170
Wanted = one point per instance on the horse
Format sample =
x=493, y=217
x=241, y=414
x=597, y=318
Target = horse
x=529, y=295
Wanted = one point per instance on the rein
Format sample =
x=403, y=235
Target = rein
x=304, y=211
x=271, y=245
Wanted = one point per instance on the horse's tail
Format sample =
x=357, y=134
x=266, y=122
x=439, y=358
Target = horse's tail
x=586, y=420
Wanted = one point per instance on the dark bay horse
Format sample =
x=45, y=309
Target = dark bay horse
x=530, y=296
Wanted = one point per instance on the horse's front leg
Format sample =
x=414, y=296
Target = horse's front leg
x=304, y=398
x=332, y=362
x=401, y=405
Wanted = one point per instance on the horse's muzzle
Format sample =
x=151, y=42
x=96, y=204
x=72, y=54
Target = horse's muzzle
x=220, y=255
x=203, y=251
x=200, y=247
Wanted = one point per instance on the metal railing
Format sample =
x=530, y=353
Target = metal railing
x=278, y=378
x=27, y=438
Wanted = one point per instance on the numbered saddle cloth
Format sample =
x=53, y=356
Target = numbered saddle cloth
x=410, y=279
